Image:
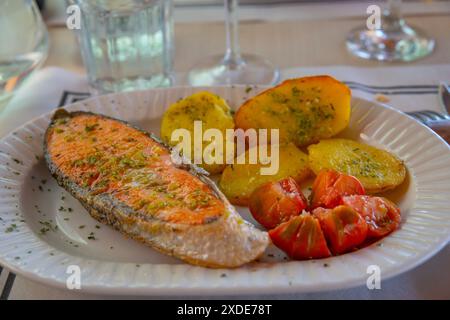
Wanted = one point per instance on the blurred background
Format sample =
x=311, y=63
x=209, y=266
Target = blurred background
x=310, y=9
x=307, y=25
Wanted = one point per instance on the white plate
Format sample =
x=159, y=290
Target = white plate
x=114, y=265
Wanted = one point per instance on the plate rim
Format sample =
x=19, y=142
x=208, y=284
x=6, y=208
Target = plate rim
x=200, y=290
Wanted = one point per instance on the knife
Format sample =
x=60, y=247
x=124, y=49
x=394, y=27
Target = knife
x=442, y=127
x=444, y=97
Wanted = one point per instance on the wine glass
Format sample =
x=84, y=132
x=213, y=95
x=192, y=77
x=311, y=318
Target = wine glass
x=394, y=41
x=23, y=44
x=234, y=67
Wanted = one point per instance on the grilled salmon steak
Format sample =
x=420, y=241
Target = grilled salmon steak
x=126, y=178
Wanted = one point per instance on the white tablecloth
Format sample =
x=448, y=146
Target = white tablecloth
x=407, y=88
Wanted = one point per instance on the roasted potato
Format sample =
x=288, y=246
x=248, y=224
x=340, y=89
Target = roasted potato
x=305, y=110
x=378, y=170
x=238, y=181
x=207, y=107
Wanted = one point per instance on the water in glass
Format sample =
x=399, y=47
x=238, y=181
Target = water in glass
x=126, y=44
x=24, y=44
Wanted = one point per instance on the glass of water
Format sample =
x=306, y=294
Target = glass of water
x=126, y=44
x=23, y=44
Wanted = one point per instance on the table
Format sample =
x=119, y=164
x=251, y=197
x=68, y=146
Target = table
x=318, y=42
x=304, y=43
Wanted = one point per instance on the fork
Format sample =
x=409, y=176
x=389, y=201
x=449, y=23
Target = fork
x=427, y=115
x=438, y=122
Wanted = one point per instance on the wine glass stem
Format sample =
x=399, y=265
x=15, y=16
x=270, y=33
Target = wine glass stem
x=233, y=52
x=393, y=13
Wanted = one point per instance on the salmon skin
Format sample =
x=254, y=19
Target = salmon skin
x=126, y=178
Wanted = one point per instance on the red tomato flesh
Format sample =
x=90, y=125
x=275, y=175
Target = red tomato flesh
x=382, y=216
x=277, y=202
x=330, y=186
x=343, y=227
x=301, y=238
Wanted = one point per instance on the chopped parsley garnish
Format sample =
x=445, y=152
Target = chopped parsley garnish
x=11, y=228
x=47, y=226
x=90, y=128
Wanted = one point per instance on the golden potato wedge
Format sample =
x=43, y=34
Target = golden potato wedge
x=304, y=109
x=207, y=107
x=238, y=181
x=378, y=170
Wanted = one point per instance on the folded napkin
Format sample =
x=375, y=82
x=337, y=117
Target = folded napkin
x=40, y=94
x=408, y=88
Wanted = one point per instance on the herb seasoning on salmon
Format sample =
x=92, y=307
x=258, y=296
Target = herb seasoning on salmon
x=125, y=177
